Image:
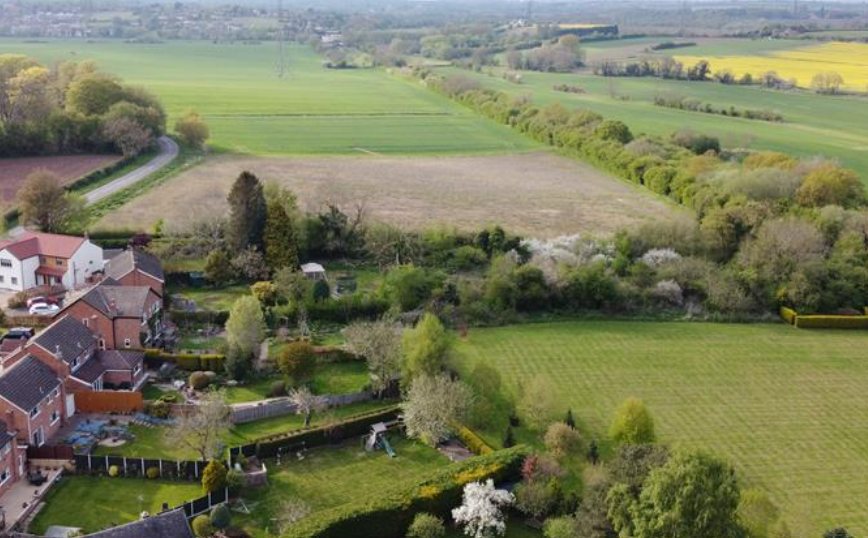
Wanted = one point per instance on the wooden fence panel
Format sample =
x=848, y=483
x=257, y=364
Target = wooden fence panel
x=109, y=402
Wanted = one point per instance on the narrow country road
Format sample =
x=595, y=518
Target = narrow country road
x=166, y=154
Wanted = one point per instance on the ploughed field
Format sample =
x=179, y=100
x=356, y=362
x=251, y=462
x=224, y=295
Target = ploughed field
x=830, y=126
x=785, y=406
x=310, y=110
x=13, y=172
x=536, y=194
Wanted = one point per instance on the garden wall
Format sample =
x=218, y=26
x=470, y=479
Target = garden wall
x=276, y=407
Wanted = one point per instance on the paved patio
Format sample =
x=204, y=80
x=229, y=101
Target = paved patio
x=23, y=498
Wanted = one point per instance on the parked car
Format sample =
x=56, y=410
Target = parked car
x=42, y=309
x=40, y=299
x=18, y=333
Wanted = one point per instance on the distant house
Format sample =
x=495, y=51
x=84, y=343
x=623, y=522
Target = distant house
x=135, y=268
x=31, y=401
x=122, y=317
x=37, y=259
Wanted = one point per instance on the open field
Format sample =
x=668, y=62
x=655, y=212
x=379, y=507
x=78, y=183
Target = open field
x=785, y=406
x=13, y=172
x=332, y=477
x=850, y=60
x=835, y=127
x=312, y=110
x=538, y=194
x=97, y=503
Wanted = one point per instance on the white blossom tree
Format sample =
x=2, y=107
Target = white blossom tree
x=306, y=403
x=481, y=511
x=434, y=404
x=379, y=342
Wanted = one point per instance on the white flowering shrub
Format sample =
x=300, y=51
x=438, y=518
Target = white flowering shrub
x=481, y=512
x=659, y=256
x=551, y=255
x=669, y=291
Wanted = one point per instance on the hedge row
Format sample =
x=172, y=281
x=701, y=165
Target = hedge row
x=191, y=362
x=473, y=442
x=211, y=317
x=824, y=322
x=343, y=310
x=390, y=516
x=354, y=426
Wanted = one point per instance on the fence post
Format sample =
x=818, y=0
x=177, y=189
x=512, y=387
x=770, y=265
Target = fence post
x=178, y=468
x=125, y=465
x=161, y=467
x=196, y=468
x=89, y=464
x=144, y=474
x=106, y=464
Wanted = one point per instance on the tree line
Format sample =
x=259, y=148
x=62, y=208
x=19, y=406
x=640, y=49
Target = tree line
x=73, y=107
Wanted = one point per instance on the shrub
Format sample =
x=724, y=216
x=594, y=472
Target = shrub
x=202, y=526
x=114, y=471
x=789, y=315
x=234, y=481
x=153, y=473
x=561, y=440
x=220, y=517
x=199, y=380
x=278, y=389
x=633, y=423
x=158, y=409
x=214, y=476
x=426, y=525
x=297, y=361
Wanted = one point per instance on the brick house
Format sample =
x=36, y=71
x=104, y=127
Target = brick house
x=36, y=259
x=122, y=317
x=31, y=401
x=11, y=459
x=135, y=268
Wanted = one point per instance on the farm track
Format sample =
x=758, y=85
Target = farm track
x=167, y=153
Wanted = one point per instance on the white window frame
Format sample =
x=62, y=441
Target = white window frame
x=128, y=343
x=5, y=475
x=55, y=416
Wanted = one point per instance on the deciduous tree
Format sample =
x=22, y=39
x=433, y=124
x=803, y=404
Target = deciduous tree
x=379, y=342
x=202, y=430
x=427, y=347
x=245, y=328
x=306, y=403
x=192, y=129
x=481, y=510
x=632, y=423
x=433, y=405
x=45, y=204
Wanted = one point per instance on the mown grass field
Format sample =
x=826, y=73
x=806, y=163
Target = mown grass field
x=786, y=407
x=312, y=110
x=835, y=127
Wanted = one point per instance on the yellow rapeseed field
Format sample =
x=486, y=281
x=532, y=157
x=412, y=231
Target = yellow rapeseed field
x=850, y=60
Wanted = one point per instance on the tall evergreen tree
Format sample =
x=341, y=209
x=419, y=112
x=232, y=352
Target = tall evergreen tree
x=281, y=242
x=247, y=213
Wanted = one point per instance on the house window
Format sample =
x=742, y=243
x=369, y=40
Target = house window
x=137, y=369
x=127, y=342
x=4, y=476
x=59, y=263
x=39, y=437
x=5, y=263
x=55, y=416
x=2, y=278
x=101, y=343
x=34, y=412
x=6, y=448
x=74, y=363
x=15, y=280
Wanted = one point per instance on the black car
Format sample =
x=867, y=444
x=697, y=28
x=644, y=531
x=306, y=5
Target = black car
x=18, y=333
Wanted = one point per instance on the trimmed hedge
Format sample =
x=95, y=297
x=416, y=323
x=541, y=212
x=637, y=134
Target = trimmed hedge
x=190, y=362
x=211, y=317
x=343, y=310
x=354, y=426
x=391, y=515
x=789, y=315
x=473, y=442
x=832, y=322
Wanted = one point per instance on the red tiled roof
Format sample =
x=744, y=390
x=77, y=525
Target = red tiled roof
x=43, y=244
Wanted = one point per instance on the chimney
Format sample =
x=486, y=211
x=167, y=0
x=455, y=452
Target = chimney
x=57, y=353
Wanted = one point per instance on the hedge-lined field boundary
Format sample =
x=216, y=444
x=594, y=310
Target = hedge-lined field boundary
x=391, y=515
x=824, y=322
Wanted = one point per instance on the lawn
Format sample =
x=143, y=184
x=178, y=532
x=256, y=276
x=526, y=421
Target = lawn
x=329, y=378
x=785, y=406
x=97, y=503
x=312, y=110
x=835, y=127
x=332, y=477
x=209, y=298
x=149, y=443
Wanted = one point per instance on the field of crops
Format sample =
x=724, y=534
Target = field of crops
x=785, y=406
x=850, y=60
x=311, y=110
x=835, y=127
x=13, y=172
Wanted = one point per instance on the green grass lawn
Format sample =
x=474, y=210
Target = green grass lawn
x=201, y=343
x=835, y=127
x=312, y=110
x=213, y=299
x=97, y=503
x=149, y=443
x=785, y=407
x=153, y=392
x=329, y=378
x=332, y=477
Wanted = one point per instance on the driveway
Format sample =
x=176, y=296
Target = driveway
x=168, y=150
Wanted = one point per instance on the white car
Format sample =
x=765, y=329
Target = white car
x=42, y=309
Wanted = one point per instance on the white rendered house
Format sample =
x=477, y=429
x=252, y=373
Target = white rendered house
x=37, y=259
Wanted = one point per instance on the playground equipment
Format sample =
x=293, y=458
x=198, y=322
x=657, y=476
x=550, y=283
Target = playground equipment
x=377, y=438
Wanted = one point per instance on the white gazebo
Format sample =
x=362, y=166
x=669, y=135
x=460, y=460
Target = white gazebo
x=314, y=271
